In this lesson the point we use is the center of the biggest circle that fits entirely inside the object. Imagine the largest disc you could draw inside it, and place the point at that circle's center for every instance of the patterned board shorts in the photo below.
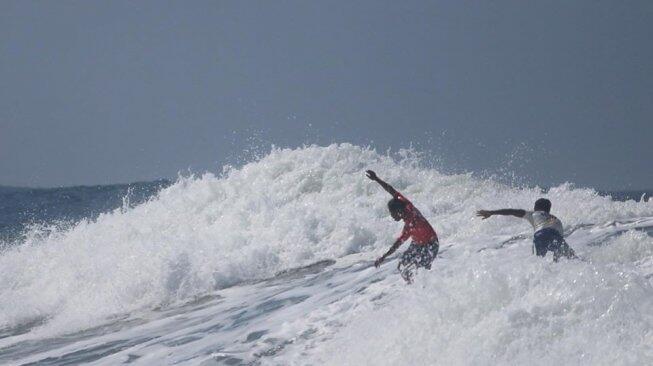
(417, 256)
(548, 239)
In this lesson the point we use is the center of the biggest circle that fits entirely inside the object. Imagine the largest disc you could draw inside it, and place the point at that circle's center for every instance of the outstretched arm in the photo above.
(505, 212)
(372, 175)
(392, 249)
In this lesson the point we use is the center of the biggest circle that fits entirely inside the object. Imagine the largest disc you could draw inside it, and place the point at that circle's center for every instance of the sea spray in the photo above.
(290, 208)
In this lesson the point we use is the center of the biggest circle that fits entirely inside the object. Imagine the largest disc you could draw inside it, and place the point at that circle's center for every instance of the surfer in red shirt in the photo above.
(424, 248)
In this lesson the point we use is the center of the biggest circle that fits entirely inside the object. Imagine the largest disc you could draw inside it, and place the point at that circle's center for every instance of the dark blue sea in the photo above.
(21, 207)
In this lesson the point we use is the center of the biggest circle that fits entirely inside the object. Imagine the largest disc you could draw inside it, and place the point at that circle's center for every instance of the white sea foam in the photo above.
(508, 308)
(480, 305)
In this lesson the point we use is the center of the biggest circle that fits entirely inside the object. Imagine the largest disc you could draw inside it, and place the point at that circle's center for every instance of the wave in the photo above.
(291, 208)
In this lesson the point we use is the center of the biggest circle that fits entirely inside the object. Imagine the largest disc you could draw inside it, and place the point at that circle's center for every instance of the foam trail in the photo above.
(507, 307)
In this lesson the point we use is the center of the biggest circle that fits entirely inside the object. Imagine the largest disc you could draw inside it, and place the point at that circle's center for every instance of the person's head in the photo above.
(542, 205)
(396, 208)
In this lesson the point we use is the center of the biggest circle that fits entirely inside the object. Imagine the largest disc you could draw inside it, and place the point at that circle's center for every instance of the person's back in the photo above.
(548, 230)
(543, 220)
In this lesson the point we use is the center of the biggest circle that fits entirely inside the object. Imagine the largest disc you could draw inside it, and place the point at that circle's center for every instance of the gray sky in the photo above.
(117, 91)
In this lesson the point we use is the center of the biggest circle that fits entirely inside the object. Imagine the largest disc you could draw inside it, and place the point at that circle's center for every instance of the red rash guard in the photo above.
(416, 225)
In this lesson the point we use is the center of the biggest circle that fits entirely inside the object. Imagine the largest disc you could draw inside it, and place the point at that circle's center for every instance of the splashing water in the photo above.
(223, 238)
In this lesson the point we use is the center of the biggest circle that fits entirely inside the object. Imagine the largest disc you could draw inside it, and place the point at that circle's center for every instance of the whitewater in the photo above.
(270, 263)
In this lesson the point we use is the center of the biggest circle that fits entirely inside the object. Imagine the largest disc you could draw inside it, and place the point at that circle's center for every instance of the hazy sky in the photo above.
(117, 91)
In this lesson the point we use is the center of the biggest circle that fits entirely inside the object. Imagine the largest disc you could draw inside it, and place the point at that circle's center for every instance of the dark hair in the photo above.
(396, 205)
(543, 205)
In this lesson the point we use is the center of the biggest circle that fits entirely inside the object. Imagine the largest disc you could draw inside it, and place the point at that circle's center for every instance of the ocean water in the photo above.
(271, 264)
(22, 209)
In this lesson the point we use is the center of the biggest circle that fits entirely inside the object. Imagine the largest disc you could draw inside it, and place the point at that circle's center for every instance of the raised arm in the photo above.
(504, 212)
(372, 175)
